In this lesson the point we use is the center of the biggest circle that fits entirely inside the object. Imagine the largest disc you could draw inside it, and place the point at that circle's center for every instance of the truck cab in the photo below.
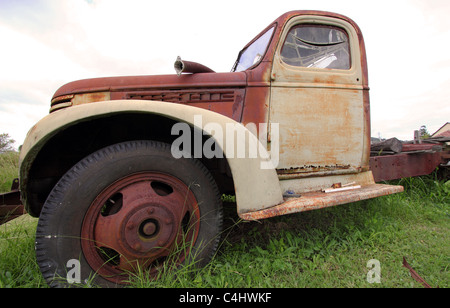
(125, 169)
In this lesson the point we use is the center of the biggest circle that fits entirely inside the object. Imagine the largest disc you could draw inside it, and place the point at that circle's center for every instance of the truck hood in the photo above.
(154, 82)
(219, 92)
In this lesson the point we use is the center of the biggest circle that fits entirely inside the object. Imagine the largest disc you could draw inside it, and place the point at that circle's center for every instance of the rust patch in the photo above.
(319, 127)
(212, 96)
(256, 106)
(391, 167)
(85, 98)
(228, 102)
(318, 200)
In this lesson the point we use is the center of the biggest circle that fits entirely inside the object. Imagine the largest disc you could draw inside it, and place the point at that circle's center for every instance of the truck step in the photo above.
(319, 199)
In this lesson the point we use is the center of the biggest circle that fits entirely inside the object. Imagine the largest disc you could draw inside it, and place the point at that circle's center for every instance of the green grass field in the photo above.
(325, 248)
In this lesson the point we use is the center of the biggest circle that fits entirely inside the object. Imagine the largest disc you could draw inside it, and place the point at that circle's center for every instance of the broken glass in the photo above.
(317, 46)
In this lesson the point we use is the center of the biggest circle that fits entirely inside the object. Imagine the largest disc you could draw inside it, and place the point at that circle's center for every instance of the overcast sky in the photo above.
(47, 43)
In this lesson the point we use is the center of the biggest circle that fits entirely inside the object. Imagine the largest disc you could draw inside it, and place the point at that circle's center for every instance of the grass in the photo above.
(9, 166)
(331, 247)
(18, 268)
(325, 248)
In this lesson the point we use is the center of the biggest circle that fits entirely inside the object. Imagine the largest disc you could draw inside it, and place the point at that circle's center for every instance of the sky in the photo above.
(47, 43)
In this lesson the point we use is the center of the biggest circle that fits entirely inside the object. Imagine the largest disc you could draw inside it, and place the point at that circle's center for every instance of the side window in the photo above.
(253, 53)
(317, 46)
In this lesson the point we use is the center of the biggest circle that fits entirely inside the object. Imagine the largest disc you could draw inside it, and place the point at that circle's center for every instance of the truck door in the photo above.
(317, 97)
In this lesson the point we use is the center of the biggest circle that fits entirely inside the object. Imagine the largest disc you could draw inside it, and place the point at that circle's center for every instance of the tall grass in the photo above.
(324, 248)
(9, 166)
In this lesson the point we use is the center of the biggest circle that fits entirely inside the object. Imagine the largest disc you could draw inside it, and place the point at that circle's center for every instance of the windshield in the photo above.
(253, 53)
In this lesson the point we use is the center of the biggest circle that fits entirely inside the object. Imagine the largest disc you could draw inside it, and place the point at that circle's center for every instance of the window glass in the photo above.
(317, 46)
(253, 53)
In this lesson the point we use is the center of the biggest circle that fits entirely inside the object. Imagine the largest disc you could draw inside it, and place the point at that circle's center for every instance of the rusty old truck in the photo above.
(127, 173)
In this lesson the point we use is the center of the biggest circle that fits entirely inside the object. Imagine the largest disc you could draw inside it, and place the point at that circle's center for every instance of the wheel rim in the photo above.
(140, 222)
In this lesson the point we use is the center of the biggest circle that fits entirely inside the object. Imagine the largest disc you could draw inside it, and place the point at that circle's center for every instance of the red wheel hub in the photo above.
(138, 222)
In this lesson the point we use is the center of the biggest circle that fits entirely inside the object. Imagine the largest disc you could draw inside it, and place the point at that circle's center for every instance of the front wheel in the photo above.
(129, 207)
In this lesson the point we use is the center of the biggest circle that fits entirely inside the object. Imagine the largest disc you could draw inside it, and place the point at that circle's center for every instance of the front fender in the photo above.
(256, 185)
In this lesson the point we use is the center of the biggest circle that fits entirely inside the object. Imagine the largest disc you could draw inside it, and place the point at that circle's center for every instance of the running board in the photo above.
(319, 199)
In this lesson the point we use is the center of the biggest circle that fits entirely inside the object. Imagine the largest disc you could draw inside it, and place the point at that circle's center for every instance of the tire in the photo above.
(127, 208)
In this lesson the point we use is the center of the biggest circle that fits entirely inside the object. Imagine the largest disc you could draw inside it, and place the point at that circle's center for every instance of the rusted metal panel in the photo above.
(10, 198)
(318, 127)
(227, 101)
(10, 212)
(85, 98)
(10, 206)
(222, 93)
(78, 99)
(365, 161)
(256, 105)
(322, 112)
(307, 184)
(121, 85)
(404, 165)
(420, 147)
(411, 160)
(318, 200)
